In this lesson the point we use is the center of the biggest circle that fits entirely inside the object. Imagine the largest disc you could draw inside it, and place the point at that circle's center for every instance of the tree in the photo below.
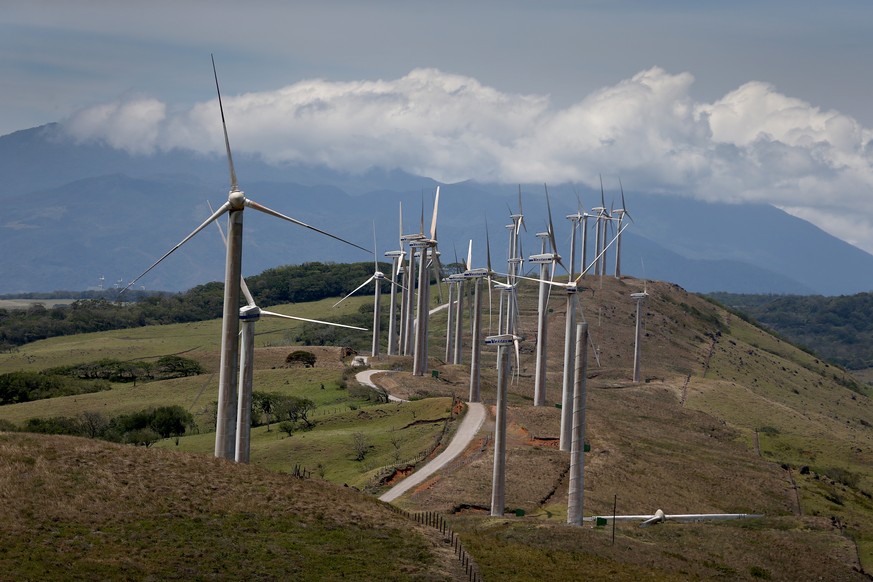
(360, 445)
(265, 402)
(170, 421)
(287, 427)
(301, 357)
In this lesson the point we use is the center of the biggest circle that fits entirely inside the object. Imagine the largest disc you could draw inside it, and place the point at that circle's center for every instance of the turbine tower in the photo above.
(426, 246)
(639, 298)
(544, 259)
(498, 479)
(225, 428)
(576, 495)
(476, 340)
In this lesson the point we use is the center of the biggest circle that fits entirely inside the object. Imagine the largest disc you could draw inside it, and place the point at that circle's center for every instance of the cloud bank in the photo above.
(753, 144)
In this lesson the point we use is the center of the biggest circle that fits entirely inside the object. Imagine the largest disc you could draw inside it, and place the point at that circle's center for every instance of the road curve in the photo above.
(463, 437)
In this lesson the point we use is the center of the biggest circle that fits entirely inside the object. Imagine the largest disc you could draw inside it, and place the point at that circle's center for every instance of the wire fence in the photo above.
(438, 522)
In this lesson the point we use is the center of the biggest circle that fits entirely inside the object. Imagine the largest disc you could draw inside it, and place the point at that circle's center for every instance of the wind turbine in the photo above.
(377, 277)
(621, 212)
(544, 260)
(248, 316)
(426, 246)
(498, 479)
(571, 287)
(225, 426)
(639, 298)
(476, 340)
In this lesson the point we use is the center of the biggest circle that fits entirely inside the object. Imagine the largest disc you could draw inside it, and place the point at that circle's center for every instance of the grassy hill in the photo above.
(728, 419)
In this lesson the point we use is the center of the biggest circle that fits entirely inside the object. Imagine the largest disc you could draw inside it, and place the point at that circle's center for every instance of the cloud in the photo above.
(753, 144)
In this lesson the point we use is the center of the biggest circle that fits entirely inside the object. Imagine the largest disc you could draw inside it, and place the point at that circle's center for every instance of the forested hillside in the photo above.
(839, 329)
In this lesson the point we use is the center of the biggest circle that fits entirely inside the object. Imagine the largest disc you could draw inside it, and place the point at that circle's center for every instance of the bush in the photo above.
(301, 357)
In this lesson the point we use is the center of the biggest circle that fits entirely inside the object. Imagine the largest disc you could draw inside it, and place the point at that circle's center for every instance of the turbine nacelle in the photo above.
(543, 258)
(236, 199)
(477, 273)
(249, 313)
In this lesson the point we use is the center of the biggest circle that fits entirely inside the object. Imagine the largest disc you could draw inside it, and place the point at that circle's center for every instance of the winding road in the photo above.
(463, 437)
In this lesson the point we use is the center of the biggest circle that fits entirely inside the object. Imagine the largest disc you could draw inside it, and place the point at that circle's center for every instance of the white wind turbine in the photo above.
(377, 277)
(621, 212)
(248, 316)
(544, 260)
(639, 298)
(571, 287)
(426, 246)
(476, 336)
(225, 427)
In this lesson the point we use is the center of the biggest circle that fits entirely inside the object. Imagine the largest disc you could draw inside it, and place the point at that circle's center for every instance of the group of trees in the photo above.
(27, 386)
(139, 428)
(291, 412)
(165, 368)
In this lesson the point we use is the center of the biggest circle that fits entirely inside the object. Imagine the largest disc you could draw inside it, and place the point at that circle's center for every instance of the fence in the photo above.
(436, 521)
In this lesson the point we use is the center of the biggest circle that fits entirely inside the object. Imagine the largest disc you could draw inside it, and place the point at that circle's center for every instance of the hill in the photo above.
(728, 419)
(77, 509)
(837, 328)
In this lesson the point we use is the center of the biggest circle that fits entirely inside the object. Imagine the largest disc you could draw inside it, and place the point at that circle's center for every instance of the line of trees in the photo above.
(288, 284)
(142, 428)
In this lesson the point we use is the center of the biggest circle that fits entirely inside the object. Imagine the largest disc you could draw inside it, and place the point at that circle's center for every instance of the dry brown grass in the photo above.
(682, 441)
(80, 509)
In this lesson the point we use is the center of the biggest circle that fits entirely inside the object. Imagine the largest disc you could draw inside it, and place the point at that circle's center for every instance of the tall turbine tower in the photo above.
(426, 246)
(576, 495)
(639, 298)
(476, 337)
(498, 479)
(393, 336)
(225, 429)
(545, 260)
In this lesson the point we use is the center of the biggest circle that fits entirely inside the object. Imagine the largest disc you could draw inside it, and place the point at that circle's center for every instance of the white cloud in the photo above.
(752, 144)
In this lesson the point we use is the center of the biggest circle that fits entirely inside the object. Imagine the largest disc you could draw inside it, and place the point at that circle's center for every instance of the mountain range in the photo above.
(80, 215)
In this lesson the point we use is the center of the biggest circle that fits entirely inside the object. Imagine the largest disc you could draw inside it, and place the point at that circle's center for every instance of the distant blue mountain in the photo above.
(76, 212)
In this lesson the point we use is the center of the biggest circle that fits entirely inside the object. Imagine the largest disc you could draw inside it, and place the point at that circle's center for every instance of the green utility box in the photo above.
(600, 521)
(435, 374)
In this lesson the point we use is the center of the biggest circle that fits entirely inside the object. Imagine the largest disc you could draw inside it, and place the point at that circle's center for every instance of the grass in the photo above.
(76, 509)
(715, 390)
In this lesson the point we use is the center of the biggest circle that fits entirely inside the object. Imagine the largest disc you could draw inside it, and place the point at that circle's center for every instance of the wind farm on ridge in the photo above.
(654, 355)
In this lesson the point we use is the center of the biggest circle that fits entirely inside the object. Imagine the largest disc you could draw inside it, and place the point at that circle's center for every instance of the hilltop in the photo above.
(727, 419)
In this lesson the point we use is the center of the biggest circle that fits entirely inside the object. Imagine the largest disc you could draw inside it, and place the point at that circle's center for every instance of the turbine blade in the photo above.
(215, 215)
(433, 220)
(623, 205)
(400, 237)
(255, 206)
(358, 288)
(469, 264)
(552, 240)
(375, 256)
(233, 184)
(274, 314)
(602, 200)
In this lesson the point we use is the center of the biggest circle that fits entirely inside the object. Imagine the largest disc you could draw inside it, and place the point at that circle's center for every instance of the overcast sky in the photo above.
(742, 100)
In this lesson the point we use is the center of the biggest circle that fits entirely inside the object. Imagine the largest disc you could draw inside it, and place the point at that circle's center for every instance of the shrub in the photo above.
(301, 357)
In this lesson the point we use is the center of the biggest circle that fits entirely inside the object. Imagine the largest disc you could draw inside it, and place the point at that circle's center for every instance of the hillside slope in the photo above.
(77, 509)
